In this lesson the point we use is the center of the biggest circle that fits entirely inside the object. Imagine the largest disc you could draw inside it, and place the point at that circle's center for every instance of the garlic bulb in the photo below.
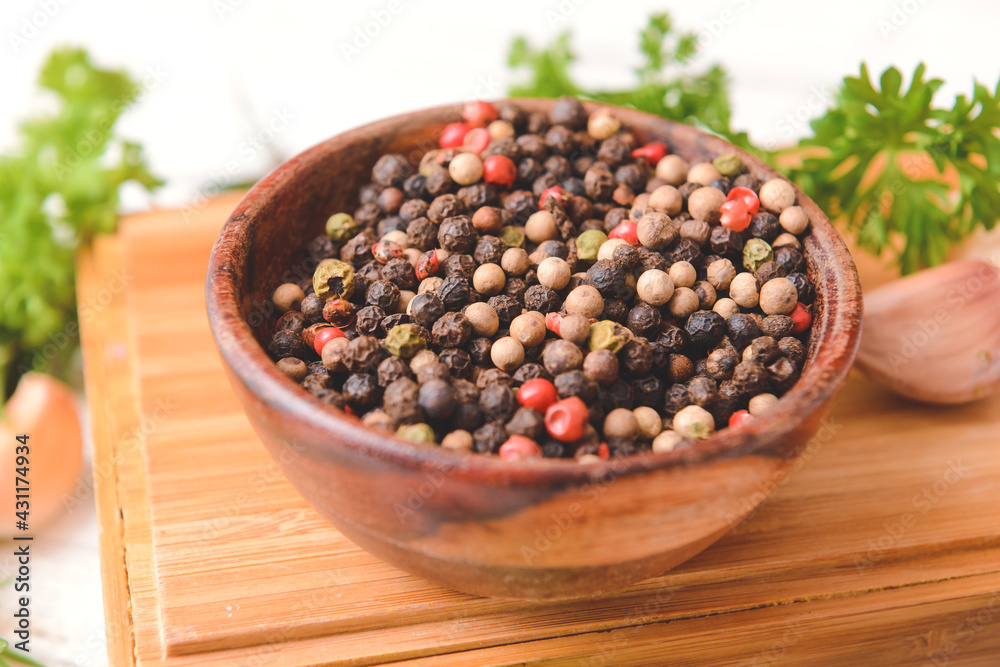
(935, 336)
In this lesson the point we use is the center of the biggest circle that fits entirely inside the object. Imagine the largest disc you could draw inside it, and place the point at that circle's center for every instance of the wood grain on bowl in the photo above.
(660, 510)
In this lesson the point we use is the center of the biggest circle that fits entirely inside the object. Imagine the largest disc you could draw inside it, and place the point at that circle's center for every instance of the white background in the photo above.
(226, 67)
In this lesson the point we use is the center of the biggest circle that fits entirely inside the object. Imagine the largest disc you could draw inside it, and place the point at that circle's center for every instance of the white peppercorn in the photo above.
(721, 273)
(683, 302)
(541, 226)
(705, 203)
(650, 422)
(694, 422)
(507, 354)
(703, 173)
(666, 199)
(778, 296)
(760, 403)
(683, 274)
(621, 423)
(655, 230)
(405, 297)
(786, 240)
(489, 279)
(776, 195)
(672, 169)
(655, 287)
(743, 290)
(554, 272)
(528, 329)
(574, 328)
(483, 318)
(726, 308)
(294, 368)
(602, 124)
(515, 261)
(696, 230)
(465, 168)
(584, 300)
(607, 249)
(459, 441)
(288, 296)
(666, 441)
(794, 220)
(429, 285)
(501, 129)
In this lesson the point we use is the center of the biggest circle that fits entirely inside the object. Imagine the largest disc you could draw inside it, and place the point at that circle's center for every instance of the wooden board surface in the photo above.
(878, 550)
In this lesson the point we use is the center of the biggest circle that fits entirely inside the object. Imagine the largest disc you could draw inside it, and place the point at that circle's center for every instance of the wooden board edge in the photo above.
(93, 270)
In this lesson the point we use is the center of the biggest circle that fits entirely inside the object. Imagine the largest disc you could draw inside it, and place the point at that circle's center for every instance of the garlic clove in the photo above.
(935, 336)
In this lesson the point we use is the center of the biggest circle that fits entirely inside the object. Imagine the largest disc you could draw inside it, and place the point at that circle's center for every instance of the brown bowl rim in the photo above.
(832, 345)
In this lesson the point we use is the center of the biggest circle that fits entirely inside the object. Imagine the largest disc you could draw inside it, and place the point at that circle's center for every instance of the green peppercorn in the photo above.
(405, 340)
(607, 335)
(340, 227)
(416, 433)
(512, 236)
(755, 253)
(588, 243)
(729, 165)
(334, 280)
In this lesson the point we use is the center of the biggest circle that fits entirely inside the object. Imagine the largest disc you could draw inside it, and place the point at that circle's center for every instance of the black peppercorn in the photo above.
(367, 215)
(445, 206)
(528, 170)
(644, 319)
(793, 349)
(363, 354)
(413, 209)
(516, 288)
(614, 152)
(316, 382)
(520, 204)
(702, 390)
(599, 182)
(608, 278)
(791, 259)
(686, 250)
(454, 293)
(391, 224)
(293, 321)
(723, 184)
(764, 349)
(494, 376)
(677, 398)
(568, 111)
(426, 308)
(458, 362)
(433, 370)
(357, 251)
(530, 371)
(680, 368)
(400, 401)
(413, 186)
(487, 438)
(764, 225)
(631, 175)
(526, 422)
(560, 139)
(687, 189)
(782, 374)
(361, 391)
(625, 256)
(312, 308)
(802, 285)
(543, 183)
(673, 339)
(636, 357)
(747, 181)
(705, 328)
(575, 383)
(721, 361)
(367, 320)
(383, 294)
(438, 183)
(451, 330)
(647, 391)
(768, 271)
(476, 195)
(400, 272)
(391, 369)
(581, 206)
(726, 243)
(618, 394)
(391, 170)
(457, 235)
(497, 401)
(437, 400)
(421, 234)
(393, 320)
(777, 326)
(742, 329)
(322, 247)
(615, 310)
(750, 378)
(479, 351)
(506, 308)
(489, 250)
(287, 343)
(459, 266)
(541, 298)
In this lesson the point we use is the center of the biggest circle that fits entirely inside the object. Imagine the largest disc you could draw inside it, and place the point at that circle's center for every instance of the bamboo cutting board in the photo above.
(883, 548)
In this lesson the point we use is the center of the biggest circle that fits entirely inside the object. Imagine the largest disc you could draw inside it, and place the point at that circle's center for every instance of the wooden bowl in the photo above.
(540, 529)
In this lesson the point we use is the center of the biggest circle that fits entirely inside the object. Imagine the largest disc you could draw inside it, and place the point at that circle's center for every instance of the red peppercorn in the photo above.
(499, 169)
(338, 312)
(552, 322)
(518, 448)
(383, 251)
(627, 230)
(739, 418)
(476, 140)
(324, 336)
(603, 452)
(538, 394)
(556, 192)
(453, 135)
(428, 264)
(735, 215)
(652, 152)
(802, 318)
(566, 420)
(479, 113)
(748, 196)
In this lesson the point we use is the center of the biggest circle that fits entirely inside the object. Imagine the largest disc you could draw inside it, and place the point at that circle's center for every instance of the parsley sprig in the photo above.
(905, 177)
(57, 191)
